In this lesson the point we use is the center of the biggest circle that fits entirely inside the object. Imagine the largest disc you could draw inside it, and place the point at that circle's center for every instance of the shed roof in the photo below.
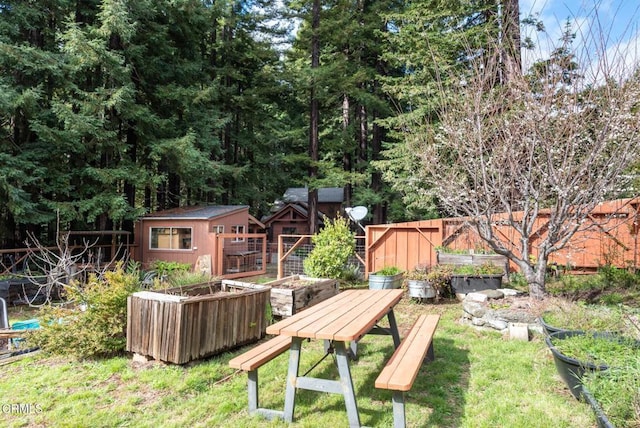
(300, 207)
(196, 212)
(325, 194)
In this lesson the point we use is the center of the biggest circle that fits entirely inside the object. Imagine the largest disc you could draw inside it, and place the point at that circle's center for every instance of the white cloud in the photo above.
(607, 37)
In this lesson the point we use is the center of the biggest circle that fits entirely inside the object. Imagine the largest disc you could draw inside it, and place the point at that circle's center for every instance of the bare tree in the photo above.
(504, 154)
(59, 264)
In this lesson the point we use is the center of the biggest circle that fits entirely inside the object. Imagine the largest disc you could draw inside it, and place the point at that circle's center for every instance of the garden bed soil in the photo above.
(292, 294)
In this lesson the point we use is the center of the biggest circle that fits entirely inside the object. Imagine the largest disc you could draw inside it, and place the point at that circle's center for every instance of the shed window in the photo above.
(238, 229)
(217, 228)
(170, 238)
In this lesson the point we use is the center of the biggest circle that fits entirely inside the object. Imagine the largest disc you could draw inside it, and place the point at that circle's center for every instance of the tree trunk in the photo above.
(313, 131)
(535, 276)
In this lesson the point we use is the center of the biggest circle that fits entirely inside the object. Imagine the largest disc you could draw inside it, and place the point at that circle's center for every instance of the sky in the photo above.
(607, 32)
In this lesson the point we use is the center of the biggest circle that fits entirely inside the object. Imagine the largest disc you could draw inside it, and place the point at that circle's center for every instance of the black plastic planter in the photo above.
(465, 284)
(549, 329)
(570, 369)
(601, 418)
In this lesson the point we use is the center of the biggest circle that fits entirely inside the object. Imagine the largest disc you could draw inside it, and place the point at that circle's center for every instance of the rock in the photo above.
(511, 315)
(518, 331)
(475, 309)
(477, 297)
(509, 291)
(492, 294)
(497, 324)
(479, 322)
(139, 358)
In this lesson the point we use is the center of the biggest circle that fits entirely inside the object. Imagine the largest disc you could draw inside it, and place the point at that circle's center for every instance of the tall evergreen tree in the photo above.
(433, 44)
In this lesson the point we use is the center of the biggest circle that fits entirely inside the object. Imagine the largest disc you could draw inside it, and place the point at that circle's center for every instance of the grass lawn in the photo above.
(478, 379)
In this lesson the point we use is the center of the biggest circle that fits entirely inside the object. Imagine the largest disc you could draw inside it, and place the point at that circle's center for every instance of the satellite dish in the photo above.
(356, 214)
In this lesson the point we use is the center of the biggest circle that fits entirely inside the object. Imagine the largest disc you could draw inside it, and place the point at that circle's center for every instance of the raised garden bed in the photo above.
(182, 324)
(294, 293)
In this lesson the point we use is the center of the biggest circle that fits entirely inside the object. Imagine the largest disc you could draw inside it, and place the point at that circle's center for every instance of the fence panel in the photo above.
(294, 249)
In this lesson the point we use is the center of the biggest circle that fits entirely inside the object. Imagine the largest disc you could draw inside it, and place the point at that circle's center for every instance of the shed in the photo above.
(212, 238)
(330, 199)
(290, 215)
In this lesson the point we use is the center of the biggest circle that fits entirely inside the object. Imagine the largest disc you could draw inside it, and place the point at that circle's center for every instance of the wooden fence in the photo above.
(609, 236)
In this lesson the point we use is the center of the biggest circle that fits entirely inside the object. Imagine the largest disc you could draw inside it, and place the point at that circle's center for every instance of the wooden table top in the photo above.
(346, 316)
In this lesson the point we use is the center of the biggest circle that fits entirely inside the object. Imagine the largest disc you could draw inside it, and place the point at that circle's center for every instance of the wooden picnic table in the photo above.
(344, 318)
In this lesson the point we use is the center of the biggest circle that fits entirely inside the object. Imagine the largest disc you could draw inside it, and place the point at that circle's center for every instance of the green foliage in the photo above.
(388, 271)
(612, 276)
(440, 279)
(483, 269)
(597, 349)
(351, 273)
(165, 268)
(518, 281)
(333, 246)
(418, 274)
(579, 316)
(96, 325)
(617, 392)
(180, 278)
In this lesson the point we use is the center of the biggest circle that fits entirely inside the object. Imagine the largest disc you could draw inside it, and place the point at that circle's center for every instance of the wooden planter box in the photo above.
(187, 323)
(473, 259)
(294, 293)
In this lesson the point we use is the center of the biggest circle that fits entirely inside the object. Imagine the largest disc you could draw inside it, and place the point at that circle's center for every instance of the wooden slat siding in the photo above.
(261, 354)
(378, 311)
(338, 307)
(402, 369)
(195, 327)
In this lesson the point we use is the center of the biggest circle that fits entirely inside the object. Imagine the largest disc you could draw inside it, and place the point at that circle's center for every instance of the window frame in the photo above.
(172, 232)
(238, 229)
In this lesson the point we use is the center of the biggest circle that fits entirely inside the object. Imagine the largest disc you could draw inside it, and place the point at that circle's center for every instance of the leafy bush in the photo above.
(333, 246)
(388, 271)
(612, 276)
(180, 278)
(483, 269)
(440, 278)
(164, 268)
(96, 325)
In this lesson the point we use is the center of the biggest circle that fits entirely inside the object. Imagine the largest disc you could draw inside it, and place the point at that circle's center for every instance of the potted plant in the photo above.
(577, 352)
(386, 278)
(440, 279)
(418, 284)
(469, 278)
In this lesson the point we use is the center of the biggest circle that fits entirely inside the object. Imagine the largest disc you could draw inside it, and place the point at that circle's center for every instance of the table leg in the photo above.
(393, 326)
(292, 378)
(342, 359)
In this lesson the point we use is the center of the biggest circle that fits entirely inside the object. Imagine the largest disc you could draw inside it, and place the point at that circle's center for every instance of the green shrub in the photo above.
(612, 276)
(165, 268)
(96, 325)
(487, 268)
(333, 246)
(440, 278)
(388, 271)
(181, 278)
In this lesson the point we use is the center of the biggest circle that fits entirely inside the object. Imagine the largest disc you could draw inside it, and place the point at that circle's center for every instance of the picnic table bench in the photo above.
(251, 361)
(401, 370)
